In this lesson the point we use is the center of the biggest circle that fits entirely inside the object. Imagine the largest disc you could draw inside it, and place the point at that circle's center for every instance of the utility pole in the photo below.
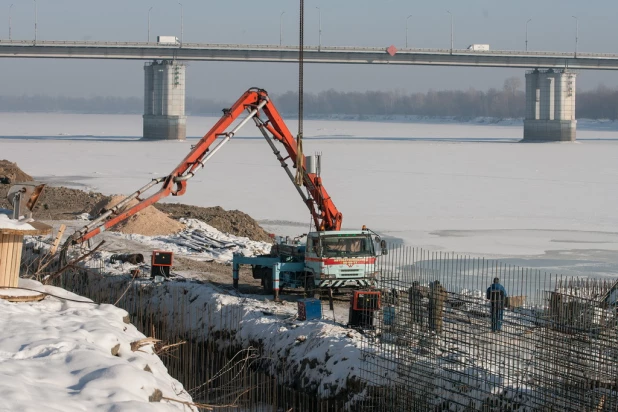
(451, 30)
(10, 7)
(149, 24)
(181, 22)
(576, 33)
(319, 29)
(529, 20)
(281, 28)
(35, 21)
(407, 30)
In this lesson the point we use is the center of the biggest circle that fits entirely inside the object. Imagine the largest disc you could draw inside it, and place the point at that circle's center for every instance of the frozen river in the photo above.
(466, 188)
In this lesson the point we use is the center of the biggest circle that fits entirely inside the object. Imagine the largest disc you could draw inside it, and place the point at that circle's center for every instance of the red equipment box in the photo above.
(161, 263)
(162, 258)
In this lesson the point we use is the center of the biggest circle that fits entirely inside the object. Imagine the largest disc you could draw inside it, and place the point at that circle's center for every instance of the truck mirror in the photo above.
(383, 247)
(377, 239)
(384, 251)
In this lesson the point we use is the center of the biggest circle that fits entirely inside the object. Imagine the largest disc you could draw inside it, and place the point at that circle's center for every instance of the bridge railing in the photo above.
(293, 48)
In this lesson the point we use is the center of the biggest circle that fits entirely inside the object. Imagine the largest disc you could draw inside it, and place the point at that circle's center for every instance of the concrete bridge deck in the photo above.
(313, 54)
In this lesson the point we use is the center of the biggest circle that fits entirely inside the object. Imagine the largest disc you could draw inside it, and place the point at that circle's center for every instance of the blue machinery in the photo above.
(290, 274)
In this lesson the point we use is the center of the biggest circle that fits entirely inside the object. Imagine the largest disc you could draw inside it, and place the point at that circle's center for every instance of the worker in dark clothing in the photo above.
(437, 296)
(496, 294)
(415, 297)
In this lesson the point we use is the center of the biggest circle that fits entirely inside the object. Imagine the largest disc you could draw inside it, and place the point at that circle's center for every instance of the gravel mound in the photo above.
(229, 221)
(148, 222)
(10, 173)
(61, 203)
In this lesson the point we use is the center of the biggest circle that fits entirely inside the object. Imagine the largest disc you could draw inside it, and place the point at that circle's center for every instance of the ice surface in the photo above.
(467, 188)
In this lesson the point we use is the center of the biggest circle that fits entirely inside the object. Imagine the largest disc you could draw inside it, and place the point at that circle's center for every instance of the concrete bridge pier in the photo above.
(550, 106)
(164, 101)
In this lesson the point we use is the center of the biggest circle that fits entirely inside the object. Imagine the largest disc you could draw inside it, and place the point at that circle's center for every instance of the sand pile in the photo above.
(10, 173)
(148, 222)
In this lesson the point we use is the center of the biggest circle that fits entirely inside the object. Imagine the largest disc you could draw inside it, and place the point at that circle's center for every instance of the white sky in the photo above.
(344, 22)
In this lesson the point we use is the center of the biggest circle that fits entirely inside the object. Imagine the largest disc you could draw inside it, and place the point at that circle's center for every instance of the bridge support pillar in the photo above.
(550, 106)
(164, 101)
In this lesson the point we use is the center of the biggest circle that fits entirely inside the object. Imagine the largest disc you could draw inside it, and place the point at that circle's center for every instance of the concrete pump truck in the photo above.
(330, 258)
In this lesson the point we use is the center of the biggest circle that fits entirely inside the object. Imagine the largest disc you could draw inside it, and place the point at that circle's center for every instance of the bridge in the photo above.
(550, 86)
(313, 54)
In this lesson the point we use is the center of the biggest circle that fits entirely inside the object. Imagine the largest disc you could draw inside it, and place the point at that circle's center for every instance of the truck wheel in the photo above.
(311, 291)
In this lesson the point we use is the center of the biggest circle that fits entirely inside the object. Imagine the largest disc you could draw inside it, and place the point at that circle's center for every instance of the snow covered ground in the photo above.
(469, 188)
(62, 355)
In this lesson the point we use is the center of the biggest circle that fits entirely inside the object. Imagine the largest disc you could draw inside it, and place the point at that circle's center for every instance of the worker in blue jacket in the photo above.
(496, 294)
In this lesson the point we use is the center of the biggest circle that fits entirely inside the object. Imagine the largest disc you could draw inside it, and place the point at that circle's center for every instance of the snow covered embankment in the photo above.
(317, 357)
(201, 241)
(58, 355)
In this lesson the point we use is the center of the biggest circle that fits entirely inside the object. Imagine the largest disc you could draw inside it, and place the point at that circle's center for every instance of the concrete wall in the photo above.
(164, 101)
(550, 106)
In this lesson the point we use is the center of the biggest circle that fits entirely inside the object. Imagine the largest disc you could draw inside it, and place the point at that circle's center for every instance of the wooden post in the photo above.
(11, 244)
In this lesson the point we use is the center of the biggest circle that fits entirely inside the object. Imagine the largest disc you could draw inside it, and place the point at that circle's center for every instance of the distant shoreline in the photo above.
(584, 124)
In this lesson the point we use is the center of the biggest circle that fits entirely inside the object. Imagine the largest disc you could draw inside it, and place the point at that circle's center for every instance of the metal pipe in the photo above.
(286, 167)
(133, 258)
(227, 138)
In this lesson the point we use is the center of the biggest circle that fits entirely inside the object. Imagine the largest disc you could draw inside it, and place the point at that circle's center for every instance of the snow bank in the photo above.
(8, 223)
(56, 355)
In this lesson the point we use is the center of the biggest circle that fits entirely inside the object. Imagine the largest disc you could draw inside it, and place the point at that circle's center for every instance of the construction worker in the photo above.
(496, 294)
(437, 296)
(415, 297)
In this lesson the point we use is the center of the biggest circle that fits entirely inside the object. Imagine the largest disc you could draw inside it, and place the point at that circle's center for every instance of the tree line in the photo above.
(508, 102)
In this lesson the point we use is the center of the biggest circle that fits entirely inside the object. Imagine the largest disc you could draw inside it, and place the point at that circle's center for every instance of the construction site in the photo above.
(209, 309)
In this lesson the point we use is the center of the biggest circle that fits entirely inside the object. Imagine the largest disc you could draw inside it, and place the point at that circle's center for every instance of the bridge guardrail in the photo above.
(322, 49)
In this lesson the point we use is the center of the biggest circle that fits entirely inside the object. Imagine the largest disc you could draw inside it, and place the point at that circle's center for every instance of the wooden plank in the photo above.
(5, 265)
(30, 298)
(57, 239)
(18, 247)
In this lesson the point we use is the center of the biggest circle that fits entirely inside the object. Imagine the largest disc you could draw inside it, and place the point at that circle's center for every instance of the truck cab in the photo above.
(339, 259)
(328, 260)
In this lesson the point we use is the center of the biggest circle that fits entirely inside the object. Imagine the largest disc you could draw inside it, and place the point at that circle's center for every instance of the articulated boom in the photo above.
(325, 214)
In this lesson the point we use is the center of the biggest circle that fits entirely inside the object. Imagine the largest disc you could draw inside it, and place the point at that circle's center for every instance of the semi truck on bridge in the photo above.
(478, 47)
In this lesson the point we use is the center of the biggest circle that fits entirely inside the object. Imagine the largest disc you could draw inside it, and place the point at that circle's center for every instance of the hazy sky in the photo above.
(344, 23)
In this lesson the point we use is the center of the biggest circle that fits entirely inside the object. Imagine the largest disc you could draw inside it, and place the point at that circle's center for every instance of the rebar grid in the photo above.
(556, 349)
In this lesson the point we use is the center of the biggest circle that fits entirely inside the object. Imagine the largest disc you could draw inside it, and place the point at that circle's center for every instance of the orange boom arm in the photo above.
(255, 102)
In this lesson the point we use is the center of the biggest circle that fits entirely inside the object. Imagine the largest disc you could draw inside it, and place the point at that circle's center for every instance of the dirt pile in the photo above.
(11, 173)
(61, 203)
(148, 222)
(55, 203)
(230, 221)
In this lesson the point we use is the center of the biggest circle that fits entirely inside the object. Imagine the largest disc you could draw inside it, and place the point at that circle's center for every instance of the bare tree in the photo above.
(512, 85)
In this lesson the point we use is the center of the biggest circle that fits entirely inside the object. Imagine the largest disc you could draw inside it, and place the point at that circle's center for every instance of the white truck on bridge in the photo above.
(478, 47)
(167, 40)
